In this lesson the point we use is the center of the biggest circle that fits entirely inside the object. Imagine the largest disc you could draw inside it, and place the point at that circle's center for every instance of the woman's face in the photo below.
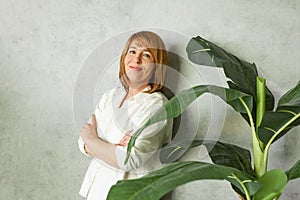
(139, 65)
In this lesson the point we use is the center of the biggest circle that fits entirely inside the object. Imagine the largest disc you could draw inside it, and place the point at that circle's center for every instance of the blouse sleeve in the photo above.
(150, 140)
(97, 112)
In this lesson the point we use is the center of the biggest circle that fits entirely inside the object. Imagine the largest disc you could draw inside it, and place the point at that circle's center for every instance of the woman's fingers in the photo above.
(124, 141)
(93, 120)
(88, 132)
(86, 125)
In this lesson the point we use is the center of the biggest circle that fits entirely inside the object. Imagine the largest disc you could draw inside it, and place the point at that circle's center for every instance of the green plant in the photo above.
(248, 95)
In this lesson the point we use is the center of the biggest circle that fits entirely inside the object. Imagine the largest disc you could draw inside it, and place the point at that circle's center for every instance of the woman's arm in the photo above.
(96, 147)
(146, 145)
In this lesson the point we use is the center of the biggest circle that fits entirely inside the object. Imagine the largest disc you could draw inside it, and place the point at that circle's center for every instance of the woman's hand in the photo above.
(124, 141)
(89, 131)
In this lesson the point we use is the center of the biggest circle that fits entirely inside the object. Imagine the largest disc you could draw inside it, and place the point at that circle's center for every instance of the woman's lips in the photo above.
(136, 68)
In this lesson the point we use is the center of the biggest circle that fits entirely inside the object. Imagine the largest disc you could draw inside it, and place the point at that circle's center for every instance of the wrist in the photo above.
(84, 148)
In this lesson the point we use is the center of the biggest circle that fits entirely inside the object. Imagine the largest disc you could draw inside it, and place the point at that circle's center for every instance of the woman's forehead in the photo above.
(138, 43)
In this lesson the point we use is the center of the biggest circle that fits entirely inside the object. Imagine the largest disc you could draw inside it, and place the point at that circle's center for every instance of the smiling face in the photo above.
(139, 65)
(143, 62)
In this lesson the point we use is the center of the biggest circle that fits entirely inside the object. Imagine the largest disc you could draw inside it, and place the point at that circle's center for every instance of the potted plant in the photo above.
(247, 94)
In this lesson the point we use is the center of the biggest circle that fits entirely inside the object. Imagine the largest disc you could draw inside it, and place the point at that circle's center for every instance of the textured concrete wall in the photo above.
(42, 46)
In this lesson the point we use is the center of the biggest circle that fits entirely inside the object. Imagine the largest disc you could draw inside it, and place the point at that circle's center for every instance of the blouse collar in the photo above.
(139, 96)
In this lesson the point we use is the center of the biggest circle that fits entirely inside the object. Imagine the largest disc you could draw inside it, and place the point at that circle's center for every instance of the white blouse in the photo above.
(112, 124)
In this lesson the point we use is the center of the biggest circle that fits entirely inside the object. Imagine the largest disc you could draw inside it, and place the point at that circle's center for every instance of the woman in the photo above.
(120, 112)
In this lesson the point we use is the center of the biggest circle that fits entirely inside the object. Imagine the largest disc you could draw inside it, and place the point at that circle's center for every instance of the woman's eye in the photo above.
(146, 55)
(131, 51)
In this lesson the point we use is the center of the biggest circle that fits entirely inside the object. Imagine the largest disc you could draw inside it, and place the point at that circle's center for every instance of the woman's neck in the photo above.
(135, 90)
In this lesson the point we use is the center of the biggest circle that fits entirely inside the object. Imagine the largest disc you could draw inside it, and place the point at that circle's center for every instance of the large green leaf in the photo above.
(286, 116)
(160, 182)
(291, 98)
(219, 152)
(174, 150)
(181, 101)
(231, 156)
(294, 172)
(273, 184)
(242, 74)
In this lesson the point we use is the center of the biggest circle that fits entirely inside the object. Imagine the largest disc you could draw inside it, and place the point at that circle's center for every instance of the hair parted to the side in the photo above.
(157, 48)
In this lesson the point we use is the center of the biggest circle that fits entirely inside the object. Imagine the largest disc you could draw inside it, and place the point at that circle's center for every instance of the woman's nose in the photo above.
(138, 58)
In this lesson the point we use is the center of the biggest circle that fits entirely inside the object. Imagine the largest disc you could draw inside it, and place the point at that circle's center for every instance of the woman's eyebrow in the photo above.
(141, 48)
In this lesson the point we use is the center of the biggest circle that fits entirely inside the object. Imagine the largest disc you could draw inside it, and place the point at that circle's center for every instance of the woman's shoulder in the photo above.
(159, 95)
(155, 97)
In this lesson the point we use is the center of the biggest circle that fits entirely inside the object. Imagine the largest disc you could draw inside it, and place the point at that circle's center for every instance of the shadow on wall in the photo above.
(173, 64)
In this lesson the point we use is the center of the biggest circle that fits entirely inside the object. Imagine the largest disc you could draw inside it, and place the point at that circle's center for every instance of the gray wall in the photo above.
(43, 44)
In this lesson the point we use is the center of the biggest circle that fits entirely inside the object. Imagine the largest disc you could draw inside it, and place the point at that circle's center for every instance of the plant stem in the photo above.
(259, 167)
(261, 99)
(278, 197)
(260, 104)
(262, 162)
(243, 186)
(266, 150)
